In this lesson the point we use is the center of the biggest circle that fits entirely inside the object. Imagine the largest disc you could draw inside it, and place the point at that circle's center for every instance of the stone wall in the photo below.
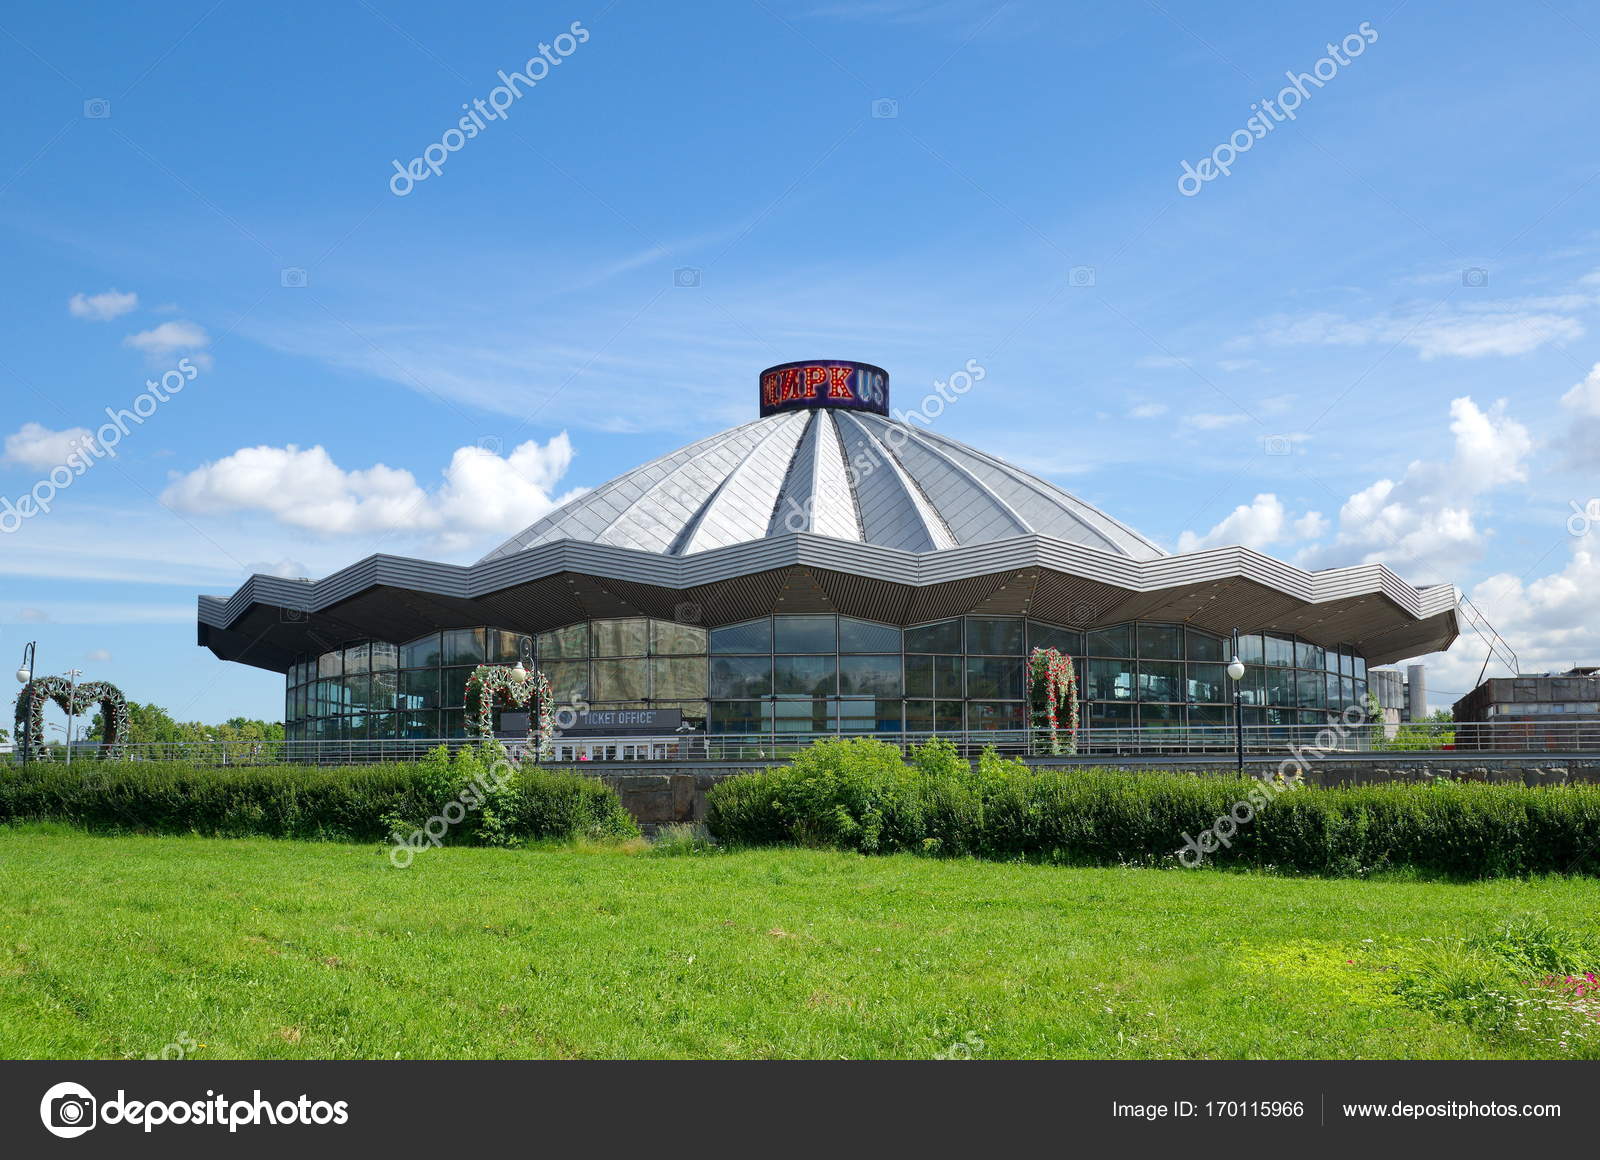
(1532, 770)
(658, 795)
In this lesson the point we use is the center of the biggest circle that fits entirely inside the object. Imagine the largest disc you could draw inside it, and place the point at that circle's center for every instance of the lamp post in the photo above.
(72, 676)
(24, 675)
(1236, 675)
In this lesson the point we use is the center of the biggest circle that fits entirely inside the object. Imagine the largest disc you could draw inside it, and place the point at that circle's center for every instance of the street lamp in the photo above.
(24, 675)
(1236, 675)
(72, 676)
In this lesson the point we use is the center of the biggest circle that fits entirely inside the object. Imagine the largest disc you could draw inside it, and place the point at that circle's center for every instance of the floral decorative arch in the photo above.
(516, 688)
(77, 701)
(1052, 687)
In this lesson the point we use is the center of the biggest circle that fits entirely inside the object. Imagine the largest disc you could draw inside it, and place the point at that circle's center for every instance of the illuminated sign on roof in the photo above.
(832, 382)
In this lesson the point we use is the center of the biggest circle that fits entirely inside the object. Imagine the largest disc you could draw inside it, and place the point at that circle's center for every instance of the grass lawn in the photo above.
(115, 947)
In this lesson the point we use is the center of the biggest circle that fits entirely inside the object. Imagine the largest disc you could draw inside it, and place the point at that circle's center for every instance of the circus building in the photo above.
(828, 567)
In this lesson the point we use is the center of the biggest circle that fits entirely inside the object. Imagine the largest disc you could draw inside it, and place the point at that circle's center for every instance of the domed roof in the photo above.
(850, 474)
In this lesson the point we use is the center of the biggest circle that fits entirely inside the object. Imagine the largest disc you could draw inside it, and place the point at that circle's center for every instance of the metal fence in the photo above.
(1217, 741)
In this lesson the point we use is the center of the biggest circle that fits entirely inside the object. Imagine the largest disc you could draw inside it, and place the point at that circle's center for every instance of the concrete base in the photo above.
(658, 795)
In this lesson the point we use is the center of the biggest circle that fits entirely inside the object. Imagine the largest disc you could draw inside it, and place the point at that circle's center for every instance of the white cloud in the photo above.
(33, 616)
(99, 655)
(1147, 411)
(300, 487)
(1423, 524)
(1262, 522)
(1311, 526)
(1507, 334)
(37, 446)
(1498, 329)
(293, 569)
(162, 342)
(107, 612)
(1582, 405)
(1213, 422)
(102, 307)
(481, 491)
(1552, 622)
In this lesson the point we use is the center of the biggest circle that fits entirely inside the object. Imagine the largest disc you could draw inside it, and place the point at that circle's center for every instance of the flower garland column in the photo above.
(1053, 674)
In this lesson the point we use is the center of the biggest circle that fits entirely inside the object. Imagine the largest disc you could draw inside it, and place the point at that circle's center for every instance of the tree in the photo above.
(147, 725)
(150, 724)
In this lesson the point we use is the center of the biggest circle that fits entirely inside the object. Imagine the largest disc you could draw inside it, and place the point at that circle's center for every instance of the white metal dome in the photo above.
(847, 474)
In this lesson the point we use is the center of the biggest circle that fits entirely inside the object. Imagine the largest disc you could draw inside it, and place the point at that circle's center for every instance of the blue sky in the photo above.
(1399, 288)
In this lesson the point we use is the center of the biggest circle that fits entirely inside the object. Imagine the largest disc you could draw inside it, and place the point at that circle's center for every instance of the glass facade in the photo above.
(825, 674)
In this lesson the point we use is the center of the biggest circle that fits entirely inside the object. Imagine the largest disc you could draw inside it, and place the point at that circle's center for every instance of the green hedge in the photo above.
(355, 803)
(861, 795)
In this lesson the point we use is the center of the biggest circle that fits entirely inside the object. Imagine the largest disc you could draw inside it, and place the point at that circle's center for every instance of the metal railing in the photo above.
(1215, 741)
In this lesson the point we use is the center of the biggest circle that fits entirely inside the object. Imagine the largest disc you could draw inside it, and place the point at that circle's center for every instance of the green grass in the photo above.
(115, 947)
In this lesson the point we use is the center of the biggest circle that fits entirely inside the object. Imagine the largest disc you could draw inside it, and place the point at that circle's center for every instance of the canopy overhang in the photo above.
(272, 621)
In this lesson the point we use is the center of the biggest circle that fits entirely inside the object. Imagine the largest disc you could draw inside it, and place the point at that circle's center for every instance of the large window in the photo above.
(804, 634)
(814, 672)
(809, 676)
(741, 677)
